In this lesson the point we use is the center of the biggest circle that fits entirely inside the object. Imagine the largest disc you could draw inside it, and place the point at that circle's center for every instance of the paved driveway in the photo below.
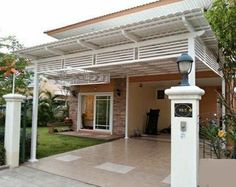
(126, 163)
(29, 177)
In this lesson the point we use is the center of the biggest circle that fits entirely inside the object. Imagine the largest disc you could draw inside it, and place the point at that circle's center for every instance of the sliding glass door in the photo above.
(103, 112)
(96, 111)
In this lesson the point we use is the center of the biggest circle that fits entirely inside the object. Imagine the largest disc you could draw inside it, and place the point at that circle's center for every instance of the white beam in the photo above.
(191, 52)
(127, 109)
(54, 51)
(87, 45)
(31, 57)
(187, 24)
(34, 117)
(190, 28)
(130, 36)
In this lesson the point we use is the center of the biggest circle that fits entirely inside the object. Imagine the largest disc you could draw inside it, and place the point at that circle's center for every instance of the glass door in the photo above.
(102, 114)
(87, 111)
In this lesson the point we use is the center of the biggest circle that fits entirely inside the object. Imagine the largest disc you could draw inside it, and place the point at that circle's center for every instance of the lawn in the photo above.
(51, 144)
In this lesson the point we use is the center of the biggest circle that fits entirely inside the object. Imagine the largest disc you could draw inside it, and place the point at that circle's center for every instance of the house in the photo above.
(118, 65)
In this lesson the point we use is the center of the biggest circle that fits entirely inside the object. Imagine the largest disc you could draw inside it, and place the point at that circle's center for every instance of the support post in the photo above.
(191, 52)
(12, 128)
(34, 117)
(127, 108)
(184, 135)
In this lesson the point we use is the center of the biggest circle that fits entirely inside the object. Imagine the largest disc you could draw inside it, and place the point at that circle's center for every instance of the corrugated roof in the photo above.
(112, 15)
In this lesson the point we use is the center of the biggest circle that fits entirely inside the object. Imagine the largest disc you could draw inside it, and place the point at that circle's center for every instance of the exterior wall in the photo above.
(208, 104)
(119, 110)
(141, 100)
(73, 103)
(118, 102)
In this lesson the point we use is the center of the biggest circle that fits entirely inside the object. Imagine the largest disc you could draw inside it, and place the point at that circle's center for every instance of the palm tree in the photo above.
(51, 109)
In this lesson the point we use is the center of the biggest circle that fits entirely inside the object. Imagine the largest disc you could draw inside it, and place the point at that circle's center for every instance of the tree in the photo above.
(222, 17)
(9, 61)
(51, 108)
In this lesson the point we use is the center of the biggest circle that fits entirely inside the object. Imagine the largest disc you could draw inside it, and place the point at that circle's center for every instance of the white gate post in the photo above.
(12, 128)
(184, 135)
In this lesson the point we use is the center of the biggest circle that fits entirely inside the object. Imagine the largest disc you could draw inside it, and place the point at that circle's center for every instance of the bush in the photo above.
(2, 119)
(2, 154)
(27, 144)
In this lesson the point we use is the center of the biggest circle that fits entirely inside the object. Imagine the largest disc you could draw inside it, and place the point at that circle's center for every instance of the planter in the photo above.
(217, 173)
(4, 167)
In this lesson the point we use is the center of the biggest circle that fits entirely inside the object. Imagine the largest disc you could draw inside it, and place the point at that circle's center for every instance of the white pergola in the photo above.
(148, 47)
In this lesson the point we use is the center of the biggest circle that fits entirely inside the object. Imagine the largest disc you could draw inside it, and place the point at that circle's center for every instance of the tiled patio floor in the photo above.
(91, 134)
(126, 163)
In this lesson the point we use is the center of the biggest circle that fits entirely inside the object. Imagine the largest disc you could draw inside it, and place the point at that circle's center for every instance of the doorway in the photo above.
(95, 111)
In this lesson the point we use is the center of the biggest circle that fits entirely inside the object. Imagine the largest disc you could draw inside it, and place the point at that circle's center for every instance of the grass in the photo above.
(51, 144)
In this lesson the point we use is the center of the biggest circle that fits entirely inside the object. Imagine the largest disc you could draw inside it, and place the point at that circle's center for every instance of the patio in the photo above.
(132, 162)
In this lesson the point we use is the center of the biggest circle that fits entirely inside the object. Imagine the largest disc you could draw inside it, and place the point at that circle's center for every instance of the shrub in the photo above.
(2, 154)
(27, 144)
(2, 119)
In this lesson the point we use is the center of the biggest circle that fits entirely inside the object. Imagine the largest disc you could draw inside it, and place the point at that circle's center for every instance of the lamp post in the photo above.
(184, 127)
(184, 63)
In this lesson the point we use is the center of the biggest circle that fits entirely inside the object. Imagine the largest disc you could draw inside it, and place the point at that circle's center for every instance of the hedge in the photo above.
(27, 147)
(2, 154)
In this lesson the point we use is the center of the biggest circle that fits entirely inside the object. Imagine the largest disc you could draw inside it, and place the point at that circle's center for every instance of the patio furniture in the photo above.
(152, 122)
(52, 126)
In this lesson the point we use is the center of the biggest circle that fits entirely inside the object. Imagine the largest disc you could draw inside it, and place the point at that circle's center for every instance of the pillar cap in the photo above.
(185, 92)
(14, 97)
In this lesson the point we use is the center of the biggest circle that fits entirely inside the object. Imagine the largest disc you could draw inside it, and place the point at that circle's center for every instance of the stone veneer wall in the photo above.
(118, 102)
(119, 107)
(73, 106)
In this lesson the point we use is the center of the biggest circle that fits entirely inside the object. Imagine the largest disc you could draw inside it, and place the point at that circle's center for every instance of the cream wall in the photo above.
(141, 100)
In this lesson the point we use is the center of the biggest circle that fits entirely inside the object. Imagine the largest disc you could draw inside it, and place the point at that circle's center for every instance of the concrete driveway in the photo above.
(29, 177)
(131, 163)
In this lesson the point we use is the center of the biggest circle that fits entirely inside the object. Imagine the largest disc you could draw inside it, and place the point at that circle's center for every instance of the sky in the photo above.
(28, 19)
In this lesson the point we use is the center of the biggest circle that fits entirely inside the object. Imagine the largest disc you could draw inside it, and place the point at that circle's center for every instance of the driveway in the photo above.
(126, 163)
(29, 177)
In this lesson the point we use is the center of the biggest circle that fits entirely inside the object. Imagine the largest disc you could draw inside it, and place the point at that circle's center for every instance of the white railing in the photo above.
(115, 56)
(79, 61)
(49, 65)
(205, 55)
(163, 49)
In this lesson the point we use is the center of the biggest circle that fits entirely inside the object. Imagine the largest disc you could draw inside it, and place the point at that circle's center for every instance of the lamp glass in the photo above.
(185, 67)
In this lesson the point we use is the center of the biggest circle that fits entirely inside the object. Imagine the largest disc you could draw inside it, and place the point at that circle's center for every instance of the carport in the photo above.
(142, 50)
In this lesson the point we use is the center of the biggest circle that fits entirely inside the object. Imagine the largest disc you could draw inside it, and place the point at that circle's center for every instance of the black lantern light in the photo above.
(185, 66)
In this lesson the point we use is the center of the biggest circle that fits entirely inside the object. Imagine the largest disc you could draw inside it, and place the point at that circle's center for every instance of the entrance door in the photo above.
(96, 111)
(102, 112)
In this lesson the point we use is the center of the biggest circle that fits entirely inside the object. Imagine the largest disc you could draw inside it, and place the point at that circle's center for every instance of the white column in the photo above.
(191, 52)
(223, 106)
(184, 135)
(12, 128)
(127, 109)
(34, 117)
